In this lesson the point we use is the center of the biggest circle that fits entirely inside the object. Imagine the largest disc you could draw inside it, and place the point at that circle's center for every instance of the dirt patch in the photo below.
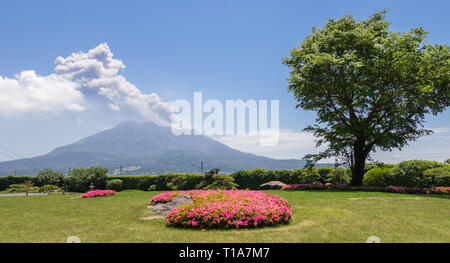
(413, 198)
(145, 218)
(371, 198)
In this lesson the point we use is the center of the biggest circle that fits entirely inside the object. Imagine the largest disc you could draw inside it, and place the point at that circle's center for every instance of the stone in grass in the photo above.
(164, 209)
(272, 185)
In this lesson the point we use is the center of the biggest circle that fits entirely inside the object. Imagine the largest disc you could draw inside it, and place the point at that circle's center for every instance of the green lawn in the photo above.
(319, 216)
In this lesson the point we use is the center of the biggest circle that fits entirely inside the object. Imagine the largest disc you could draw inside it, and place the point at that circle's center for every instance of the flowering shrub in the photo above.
(98, 193)
(390, 189)
(438, 190)
(395, 189)
(227, 209)
(405, 190)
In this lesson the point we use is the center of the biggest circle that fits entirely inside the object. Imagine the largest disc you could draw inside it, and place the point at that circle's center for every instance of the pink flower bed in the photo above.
(438, 190)
(98, 193)
(389, 189)
(227, 209)
(404, 190)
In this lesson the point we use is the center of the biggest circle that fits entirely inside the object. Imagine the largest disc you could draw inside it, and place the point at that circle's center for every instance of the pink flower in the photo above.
(98, 193)
(227, 208)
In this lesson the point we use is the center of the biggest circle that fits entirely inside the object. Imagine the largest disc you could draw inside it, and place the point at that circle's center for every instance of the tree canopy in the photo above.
(370, 87)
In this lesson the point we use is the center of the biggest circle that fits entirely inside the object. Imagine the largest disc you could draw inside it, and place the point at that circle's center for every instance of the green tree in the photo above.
(82, 178)
(26, 187)
(370, 87)
(49, 177)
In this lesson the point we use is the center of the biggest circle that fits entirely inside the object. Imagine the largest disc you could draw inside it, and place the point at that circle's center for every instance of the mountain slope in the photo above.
(145, 148)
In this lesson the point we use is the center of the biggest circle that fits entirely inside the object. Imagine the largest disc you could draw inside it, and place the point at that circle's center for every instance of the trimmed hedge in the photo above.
(376, 176)
(160, 182)
(439, 176)
(114, 184)
(411, 174)
(252, 179)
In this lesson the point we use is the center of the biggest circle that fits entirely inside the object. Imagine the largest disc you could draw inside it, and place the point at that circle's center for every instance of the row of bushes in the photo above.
(411, 174)
(82, 179)
(249, 179)
(159, 182)
(416, 173)
(252, 179)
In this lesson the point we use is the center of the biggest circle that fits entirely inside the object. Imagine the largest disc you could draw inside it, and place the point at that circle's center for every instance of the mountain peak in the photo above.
(155, 149)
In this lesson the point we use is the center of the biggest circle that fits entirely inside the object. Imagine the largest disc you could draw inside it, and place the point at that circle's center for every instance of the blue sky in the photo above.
(226, 49)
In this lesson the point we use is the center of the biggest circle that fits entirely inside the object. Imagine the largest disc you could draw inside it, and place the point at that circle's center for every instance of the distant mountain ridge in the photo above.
(146, 148)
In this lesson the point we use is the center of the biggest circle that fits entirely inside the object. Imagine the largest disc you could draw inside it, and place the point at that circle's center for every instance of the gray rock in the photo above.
(182, 199)
(272, 185)
(164, 209)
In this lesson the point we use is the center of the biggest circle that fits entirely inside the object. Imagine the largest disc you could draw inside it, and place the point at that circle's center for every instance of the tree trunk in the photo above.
(359, 163)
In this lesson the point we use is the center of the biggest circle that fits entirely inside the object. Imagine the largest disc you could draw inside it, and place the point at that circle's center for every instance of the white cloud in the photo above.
(29, 92)
(78, 78)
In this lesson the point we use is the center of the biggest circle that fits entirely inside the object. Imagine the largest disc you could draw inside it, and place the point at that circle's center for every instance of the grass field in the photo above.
(320, 216)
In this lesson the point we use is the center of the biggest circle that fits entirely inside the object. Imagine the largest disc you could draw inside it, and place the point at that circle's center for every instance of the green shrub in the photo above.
(411, 173)
(324, 171)
(160, 182)
(252, 179)
(178, 182)
(339, 176)
(114, 184)
(439, 176)
(49, 177)
(310, 175)
(48, 188)
(152, 187)
(376, 177)
(285, 176)
(222, 182)
(182, 181)
(82, 178)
